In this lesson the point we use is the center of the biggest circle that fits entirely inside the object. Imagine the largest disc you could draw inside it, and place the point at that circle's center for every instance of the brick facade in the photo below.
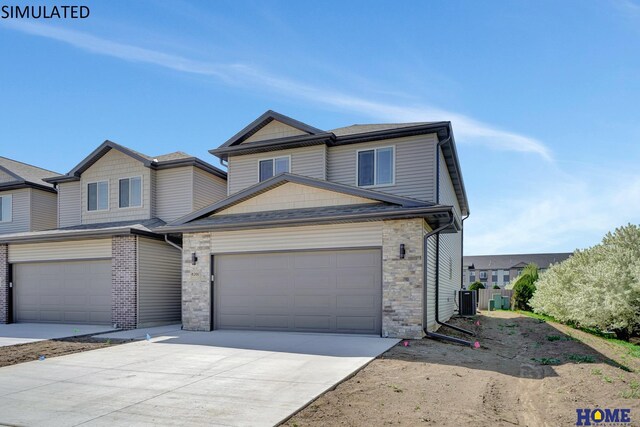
(402, 279)
(196, 284)
(4, 284)
(124, 281)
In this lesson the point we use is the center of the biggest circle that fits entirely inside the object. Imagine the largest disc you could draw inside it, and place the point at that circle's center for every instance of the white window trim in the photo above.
(141, 192)
(10, 197)
(86, 206)
(375, 169)
(273, 159)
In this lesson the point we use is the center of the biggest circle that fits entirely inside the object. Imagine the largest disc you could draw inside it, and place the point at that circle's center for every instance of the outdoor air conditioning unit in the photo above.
(467, 302)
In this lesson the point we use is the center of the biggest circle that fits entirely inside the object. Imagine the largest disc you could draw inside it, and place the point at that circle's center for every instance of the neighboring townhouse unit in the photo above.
(353, 230)
(27, 203)
(104, 264)
(500, 270)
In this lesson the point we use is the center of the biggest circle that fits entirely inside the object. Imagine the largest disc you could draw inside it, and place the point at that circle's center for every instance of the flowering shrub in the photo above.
(598, 287)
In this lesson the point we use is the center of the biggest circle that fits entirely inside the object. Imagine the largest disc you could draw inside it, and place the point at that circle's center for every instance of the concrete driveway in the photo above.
(22, 333)
(237, 378)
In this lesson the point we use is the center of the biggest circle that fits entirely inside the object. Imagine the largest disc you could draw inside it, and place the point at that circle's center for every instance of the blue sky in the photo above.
(543, 95)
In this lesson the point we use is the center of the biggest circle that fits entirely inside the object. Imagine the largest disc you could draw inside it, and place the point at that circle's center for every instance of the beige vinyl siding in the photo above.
(174, 193)
(363, 234)
(44, 210)
(112, 167)
(159, 283)
(53, 251)
(294, 196)
(69, 204)
(273, 130)
(450, 249)
(414, 165)
(207, 189)
(153, 191)
(5, 177)
(447, 192)
(21, 211)
(307, 161)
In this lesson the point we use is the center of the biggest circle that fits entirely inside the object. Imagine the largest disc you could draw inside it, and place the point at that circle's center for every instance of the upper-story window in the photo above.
(483, 275)
(98, 196)
(6, 208)
(375, 167)
(130, 192)
(274, 166)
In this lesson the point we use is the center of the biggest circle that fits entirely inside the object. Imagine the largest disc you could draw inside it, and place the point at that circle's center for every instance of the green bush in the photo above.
(524, 287)
(476, 285)
(598, 287)
(496, 287)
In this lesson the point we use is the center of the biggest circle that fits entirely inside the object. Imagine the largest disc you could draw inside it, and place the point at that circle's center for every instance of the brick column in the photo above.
(196, 284)
(124, 281)
(402, 290)
(4, 284)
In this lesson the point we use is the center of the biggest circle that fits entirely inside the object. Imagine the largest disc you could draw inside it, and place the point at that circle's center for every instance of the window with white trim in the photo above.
(6, 208)
(98, 196)
(272, 167)
(375, 167)
(130, 192)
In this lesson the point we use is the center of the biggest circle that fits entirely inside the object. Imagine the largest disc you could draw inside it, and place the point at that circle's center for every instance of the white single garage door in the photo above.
(336, 291)
(63, 292)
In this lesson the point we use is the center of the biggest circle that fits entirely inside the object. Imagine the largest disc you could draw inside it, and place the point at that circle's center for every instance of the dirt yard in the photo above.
(527, 372)
(11, 355)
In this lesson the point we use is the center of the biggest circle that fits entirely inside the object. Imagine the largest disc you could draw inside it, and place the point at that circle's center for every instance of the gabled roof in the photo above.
(264, 120)
(505, 262)
(24, 175)
(436, 216)
(372, 127)
(284, 178)
(84, 231)
(164, 161)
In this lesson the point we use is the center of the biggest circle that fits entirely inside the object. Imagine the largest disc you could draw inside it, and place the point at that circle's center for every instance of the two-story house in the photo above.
(101, 261)
(27, 203)
(353, 230)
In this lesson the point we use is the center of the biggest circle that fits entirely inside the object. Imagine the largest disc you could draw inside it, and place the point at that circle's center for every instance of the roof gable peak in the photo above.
(292, 127)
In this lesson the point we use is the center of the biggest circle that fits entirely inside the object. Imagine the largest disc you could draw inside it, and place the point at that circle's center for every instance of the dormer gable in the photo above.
(271, 126)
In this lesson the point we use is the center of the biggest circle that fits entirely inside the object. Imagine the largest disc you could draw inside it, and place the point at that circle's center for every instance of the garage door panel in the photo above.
(355, 323)
(272, 321)
(319, 291)
(63, 291)
(315, 323)
(356, 278)
(313, 302)
(354, 302)
(313, 260)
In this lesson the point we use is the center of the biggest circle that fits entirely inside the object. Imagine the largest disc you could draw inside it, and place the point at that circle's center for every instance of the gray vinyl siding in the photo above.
(174, 193)
(307, 161)
(112, 167)
(21, 211)
(450, 249)
(207, 189)
(69, 204)
(430, 291)
(414, 165)
(159, 283)
(44, 210)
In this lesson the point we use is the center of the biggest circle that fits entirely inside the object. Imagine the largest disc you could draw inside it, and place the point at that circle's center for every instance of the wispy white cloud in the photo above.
(563, 211)
(468, 130)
